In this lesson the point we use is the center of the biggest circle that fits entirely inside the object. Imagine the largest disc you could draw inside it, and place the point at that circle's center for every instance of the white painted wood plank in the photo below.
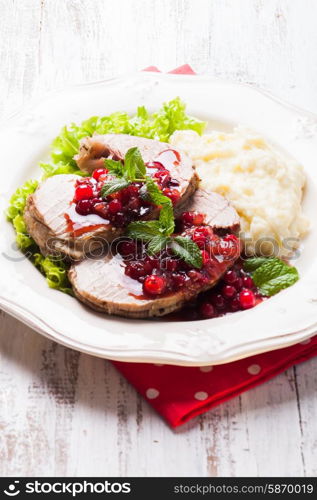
(66, 413)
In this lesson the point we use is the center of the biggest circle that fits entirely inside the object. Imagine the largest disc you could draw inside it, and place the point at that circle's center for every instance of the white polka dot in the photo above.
(201, 395)
(254, 369)
(307, 341)
(152, 393)
(158, 364)
(206, 369)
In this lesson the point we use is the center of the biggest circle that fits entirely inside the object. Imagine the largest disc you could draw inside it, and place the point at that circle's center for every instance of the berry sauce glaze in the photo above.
(165, 274)
(234, 292)
(125, 206)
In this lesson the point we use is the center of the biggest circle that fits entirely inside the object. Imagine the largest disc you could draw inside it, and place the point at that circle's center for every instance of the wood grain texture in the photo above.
(65, 413)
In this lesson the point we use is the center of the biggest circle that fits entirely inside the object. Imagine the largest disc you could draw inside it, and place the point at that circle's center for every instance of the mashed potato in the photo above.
(264, 186)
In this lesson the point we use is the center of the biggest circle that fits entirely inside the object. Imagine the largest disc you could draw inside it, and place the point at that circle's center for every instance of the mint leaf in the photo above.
(134, 165)
(274, 275)
(156, 244)
(153, 193)
(253, 263)
(277, 284)
(186, 249)
(113, 186)
(144, 230)
(166, 219)
(114, 167)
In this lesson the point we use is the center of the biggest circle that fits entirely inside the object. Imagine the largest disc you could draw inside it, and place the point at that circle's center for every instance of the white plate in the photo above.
(287, 318)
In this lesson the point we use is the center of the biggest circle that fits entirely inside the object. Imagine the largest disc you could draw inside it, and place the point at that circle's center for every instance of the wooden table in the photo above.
(65, 413)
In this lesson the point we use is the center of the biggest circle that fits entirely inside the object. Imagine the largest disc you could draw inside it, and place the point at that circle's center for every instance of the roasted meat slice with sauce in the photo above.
(93, 151)
(57, 228)
(105, 285)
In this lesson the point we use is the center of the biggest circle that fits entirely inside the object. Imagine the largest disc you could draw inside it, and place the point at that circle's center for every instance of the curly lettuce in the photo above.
(159, 125)
(53, 269)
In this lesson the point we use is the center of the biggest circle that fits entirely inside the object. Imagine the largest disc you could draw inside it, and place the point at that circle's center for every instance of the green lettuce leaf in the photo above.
(54, 270)
(160, 125)
(18, 199)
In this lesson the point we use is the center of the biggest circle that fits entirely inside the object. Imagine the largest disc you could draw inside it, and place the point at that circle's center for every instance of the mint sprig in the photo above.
(188, 250)
(133, 170)
(114, 186)
(114, 167)
(134, 165)
(271, 275)
(158, 236)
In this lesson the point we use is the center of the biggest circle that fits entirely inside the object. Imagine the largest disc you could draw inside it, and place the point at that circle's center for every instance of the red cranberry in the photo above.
(218, 301)
(83, 180)
(204, 230)
(247, 299)
(97, 173)
(115, 206)
(178, 280)
(101, 209)
(247, 282)
(188, 217)
(172, 194)
(230, 277)
(238, 284)
(154, 285)
(133, 189)
(235, 304)
(228, 291)
(148, 266)
(84, 207)
(135, 270)
(194, 275)
(83, 191)
(198, 219)
(229, 246)
(103, 178)
(134, 203)
(127, 248)
(96, 200)
(232, 238)
(171, 265)
(199, 237)
(120, 220)
(207, 310)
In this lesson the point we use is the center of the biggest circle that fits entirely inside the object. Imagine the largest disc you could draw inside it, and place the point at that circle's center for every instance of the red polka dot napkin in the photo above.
(180, 393)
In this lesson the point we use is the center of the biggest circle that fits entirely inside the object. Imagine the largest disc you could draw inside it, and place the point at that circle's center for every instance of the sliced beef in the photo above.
(93, 151)
(49, 215)
(219, 213)
(103, 285)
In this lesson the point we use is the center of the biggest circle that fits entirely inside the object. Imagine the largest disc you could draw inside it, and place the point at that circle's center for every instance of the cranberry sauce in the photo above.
(235, 291)
(127, 205)
(165, 273)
